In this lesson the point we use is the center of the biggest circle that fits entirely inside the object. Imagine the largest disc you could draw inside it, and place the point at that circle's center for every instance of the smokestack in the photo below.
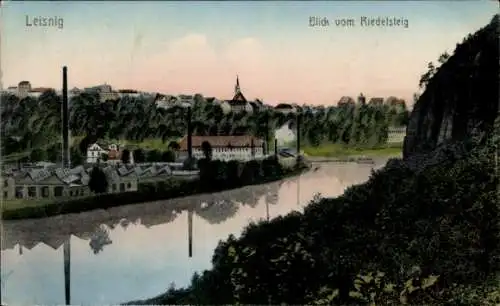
(65, 120)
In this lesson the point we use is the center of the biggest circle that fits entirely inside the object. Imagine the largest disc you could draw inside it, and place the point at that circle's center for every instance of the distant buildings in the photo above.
(226, 147)
(24, 89)
(105, 92)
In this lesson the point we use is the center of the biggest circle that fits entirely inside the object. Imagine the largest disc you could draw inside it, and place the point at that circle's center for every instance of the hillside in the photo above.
(461, 98)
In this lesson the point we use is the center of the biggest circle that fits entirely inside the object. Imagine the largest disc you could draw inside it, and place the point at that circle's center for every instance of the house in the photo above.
(94, 153)
(285, 108)
(105, 92)
(376, 101)
(284, 134)
(37, 92)
(346, 101)
(226, 148)
(239, 103)
(23, 88)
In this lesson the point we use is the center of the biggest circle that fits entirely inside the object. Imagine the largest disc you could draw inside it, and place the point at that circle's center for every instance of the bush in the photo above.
(38, 155)
(139, 156)
(98, 181)
(125, 156)
(168, 157)
(76, 157)
(153, 156)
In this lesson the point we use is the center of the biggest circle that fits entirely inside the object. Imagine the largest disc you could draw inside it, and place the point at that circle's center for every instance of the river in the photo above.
(136, 251)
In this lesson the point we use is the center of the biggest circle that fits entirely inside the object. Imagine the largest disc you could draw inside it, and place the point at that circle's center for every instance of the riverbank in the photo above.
(249, 174)
(343, 152)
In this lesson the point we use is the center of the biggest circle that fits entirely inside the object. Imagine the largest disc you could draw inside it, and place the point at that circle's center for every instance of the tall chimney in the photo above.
(65, 120)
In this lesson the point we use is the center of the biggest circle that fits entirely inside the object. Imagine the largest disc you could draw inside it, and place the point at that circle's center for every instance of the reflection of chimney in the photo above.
(190, 232)
(67, 270)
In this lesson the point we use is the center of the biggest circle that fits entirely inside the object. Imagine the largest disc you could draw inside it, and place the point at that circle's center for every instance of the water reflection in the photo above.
(99, 239)
(133, 252)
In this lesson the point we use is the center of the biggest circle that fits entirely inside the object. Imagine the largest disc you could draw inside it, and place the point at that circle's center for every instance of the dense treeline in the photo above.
(419, 232)
(32, 123)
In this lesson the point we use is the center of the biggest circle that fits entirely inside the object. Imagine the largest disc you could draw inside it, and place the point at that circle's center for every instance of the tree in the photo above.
(104, 157)
(168, 157)
(153, 156)
(173, 145)
(53, 153)
(98, 182)
(125, 156)
(206, 147)
(38, 155)
(76, 157)
(139, 156)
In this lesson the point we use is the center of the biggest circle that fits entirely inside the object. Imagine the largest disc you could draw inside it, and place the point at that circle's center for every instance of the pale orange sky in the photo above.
(188, 47)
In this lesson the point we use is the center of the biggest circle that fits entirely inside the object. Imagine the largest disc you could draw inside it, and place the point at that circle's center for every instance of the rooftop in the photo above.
(222, 141)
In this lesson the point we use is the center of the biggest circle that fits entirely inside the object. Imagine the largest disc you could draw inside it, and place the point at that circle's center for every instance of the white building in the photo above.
(284, 134)
(226, 147)
(12, 90)
(94, 153)
(396, 134)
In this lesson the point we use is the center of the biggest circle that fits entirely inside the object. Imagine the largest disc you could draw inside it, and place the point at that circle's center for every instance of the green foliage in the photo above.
(233, 173)
(38, 155)
(168, 156)
(189, 164)
(153, 156)
(76, 157)
(104, 157)
(206, 147)
(139, 156)
(125, 156)
(54, 153)
(98, 181)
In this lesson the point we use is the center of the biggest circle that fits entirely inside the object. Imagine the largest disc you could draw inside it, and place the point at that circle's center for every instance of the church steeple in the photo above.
(237, 87)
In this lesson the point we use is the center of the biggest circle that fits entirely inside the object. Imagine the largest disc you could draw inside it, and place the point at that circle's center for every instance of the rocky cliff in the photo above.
(461, 98)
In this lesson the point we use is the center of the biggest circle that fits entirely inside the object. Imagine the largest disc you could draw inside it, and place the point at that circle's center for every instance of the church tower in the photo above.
(237, 86)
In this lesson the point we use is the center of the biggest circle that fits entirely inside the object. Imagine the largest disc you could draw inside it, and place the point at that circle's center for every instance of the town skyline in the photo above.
(180, 48)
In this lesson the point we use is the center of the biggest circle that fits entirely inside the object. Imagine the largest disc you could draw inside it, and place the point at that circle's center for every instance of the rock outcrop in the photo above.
(462, 98)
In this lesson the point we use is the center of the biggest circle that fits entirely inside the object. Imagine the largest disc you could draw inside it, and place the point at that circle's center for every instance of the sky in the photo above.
(200, 47)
